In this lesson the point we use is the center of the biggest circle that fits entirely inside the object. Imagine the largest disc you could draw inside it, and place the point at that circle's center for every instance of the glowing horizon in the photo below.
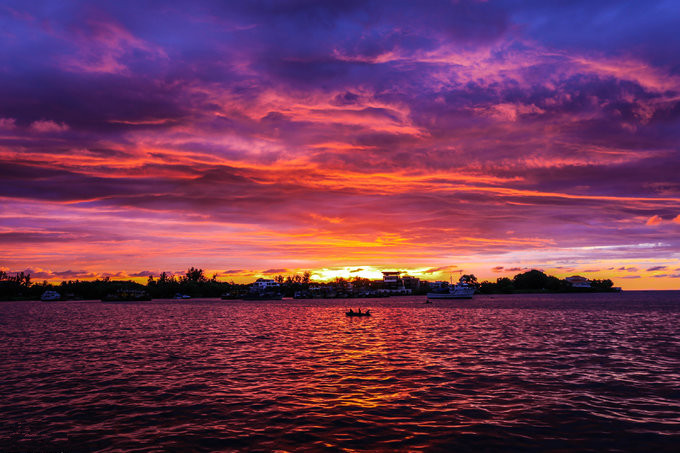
(483, 137)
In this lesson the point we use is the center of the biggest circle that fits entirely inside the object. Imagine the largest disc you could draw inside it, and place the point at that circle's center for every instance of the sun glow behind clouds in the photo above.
(347, 273)
(243, 140)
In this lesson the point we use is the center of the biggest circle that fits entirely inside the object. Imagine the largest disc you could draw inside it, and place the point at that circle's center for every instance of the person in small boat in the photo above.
(351, 312)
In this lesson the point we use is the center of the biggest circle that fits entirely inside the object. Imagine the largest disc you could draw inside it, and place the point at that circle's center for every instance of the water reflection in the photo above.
(536, 372)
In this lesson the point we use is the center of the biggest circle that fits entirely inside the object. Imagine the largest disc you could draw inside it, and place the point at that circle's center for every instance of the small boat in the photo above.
(358, 313)
(50, 296)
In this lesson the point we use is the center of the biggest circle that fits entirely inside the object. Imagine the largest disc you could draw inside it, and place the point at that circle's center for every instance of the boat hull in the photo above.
(127, 296)
(459, 291)
(266, 296)
(50, 296)
(448, 296)
(125, 299)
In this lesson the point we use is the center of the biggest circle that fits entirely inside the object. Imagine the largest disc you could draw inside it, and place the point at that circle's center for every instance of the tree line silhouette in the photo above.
(195, 283)
(537, 281)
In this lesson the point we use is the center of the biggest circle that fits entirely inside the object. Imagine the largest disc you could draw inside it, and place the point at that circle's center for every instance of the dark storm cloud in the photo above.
(41, 183)
(100, 104)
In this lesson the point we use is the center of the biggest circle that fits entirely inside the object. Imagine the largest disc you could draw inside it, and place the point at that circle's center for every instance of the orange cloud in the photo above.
(654, 220)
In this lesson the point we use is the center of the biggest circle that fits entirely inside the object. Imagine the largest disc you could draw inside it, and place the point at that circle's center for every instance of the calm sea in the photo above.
(587, 372)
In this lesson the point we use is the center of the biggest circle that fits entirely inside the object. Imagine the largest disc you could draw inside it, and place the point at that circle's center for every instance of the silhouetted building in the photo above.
(391, 280)
(578, 282)
(410, 282)
(439, 285)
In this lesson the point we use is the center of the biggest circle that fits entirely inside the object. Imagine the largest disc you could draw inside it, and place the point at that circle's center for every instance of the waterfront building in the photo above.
(392, 280)
(577, 281)
(410, 282)
(439, 285)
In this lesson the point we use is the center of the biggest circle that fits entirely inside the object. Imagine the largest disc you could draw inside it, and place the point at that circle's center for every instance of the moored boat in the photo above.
(460, 290)
(127, 295)
(50, 296)
(263, 296)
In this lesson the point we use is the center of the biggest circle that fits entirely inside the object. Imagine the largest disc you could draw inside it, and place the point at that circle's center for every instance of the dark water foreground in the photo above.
(522, 372)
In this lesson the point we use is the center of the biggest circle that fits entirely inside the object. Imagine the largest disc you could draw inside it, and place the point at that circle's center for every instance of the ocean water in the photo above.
(587, 372)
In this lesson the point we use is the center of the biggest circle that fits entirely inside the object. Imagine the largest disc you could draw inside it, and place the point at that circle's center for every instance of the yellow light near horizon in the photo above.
(369, 272)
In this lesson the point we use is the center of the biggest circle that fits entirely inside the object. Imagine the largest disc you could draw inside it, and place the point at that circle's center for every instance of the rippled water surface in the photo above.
(523, 372)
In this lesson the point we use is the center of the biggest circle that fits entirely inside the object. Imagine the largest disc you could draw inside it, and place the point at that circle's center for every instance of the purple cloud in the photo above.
(321, 129)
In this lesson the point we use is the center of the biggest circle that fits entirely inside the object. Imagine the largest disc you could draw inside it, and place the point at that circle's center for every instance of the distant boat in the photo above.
(358, 313)
(460, 290)
(127, 295)
(50, 295)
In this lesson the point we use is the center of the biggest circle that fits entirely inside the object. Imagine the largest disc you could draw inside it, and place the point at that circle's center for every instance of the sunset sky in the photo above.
(262, 137)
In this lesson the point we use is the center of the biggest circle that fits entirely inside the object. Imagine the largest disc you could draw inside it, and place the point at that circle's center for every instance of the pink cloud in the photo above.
(103, 46)
(7, 123)
(511, 112)
(47, 126)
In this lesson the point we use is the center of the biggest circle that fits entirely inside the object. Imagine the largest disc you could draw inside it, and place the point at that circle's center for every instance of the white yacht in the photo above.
(460, 290)
(50, 295)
